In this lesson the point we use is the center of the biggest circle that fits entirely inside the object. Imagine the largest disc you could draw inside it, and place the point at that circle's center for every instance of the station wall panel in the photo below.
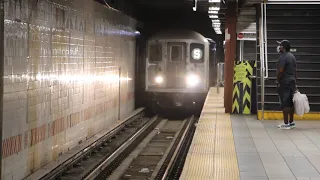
(62, 72)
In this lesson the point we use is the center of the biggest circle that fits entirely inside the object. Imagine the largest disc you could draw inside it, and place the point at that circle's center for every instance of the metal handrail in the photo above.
(178, 148)
(265, 41)
(219, 77)
(241, 47)
(262, 56)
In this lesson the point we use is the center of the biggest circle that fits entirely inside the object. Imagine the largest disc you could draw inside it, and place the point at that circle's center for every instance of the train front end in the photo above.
(177, 72)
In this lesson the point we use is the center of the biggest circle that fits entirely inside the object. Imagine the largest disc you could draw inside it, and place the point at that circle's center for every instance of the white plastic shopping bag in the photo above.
(301, 103)
(306, 103)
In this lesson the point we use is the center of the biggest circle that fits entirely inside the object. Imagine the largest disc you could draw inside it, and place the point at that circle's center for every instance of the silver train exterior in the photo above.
(177, 70)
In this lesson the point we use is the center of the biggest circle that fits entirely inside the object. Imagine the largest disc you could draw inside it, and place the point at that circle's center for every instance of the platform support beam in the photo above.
(230, 54)
(1, 77)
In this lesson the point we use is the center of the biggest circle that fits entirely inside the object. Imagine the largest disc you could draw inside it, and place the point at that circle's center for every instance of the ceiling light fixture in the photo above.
(213, 12)
(212, 8)
(215, 21)
(195, 5)
(216, 25)
(213, 16)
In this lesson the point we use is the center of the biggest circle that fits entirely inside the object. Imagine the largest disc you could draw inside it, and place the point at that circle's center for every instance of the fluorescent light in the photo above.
(216, 25)
(215, 21)
(213, 16)
(218, 31)
(213, 12)
(213, 8)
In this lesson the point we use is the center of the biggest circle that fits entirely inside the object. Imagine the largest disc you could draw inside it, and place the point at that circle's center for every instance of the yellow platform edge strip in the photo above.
(212, 154)
(277, 115)
(226, 161)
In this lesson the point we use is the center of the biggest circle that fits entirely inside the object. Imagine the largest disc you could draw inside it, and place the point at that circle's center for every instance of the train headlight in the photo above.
(159, 79)
(193, 80)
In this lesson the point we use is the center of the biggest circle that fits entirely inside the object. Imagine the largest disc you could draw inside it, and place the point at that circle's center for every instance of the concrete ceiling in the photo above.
(178, 13)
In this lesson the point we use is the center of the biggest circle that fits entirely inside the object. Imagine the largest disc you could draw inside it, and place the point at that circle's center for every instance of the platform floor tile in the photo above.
(265, 152)
(239, 147)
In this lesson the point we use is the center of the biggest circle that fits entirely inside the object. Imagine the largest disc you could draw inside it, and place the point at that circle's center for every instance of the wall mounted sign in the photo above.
(247, 36)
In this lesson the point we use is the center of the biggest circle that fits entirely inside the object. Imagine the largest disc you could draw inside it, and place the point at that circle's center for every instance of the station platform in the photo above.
(239, 147)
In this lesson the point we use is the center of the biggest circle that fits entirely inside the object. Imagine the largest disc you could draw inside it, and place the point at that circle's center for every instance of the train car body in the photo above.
(177, 70)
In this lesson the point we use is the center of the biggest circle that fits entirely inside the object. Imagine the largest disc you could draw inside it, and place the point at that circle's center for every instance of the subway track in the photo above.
(139, 148)
(160, 155)
(149, 161)
(85, 167)
(82, 163)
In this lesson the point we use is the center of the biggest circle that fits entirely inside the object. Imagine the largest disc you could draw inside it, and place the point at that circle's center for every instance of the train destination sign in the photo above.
(197, 54)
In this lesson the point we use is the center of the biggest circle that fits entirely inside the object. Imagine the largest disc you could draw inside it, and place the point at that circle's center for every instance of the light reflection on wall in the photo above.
(68, 79)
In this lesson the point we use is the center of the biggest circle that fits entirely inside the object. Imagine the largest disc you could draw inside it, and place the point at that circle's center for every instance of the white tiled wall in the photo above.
(62, 62)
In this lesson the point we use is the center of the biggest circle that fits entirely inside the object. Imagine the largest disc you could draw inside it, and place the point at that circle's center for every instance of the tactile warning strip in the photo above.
(212, 154)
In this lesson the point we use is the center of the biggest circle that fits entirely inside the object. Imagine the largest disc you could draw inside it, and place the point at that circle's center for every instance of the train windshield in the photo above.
(155, 52)
(176, 53)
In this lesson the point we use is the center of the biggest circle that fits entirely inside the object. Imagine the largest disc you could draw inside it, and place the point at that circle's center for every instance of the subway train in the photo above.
(180, 67)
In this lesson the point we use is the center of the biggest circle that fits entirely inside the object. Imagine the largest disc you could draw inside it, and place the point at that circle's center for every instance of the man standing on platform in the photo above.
(286, 82)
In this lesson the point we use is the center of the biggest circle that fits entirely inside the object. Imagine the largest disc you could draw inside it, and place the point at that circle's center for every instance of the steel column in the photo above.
(230, 54)
(1, 76)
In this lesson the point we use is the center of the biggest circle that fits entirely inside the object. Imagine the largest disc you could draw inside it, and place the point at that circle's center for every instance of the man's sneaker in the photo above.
(292, 125)
(284, 126)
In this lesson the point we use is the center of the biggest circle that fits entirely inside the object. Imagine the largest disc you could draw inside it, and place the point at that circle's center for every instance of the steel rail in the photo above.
(102, 166)
(168, 170)
(139, 113)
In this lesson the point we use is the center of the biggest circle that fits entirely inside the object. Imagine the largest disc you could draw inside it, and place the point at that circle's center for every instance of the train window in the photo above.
(176, 53)
(196, 53)
(155, 52)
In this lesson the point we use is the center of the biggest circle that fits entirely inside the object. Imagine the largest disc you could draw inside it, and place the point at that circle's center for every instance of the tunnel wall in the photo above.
(61, 78)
